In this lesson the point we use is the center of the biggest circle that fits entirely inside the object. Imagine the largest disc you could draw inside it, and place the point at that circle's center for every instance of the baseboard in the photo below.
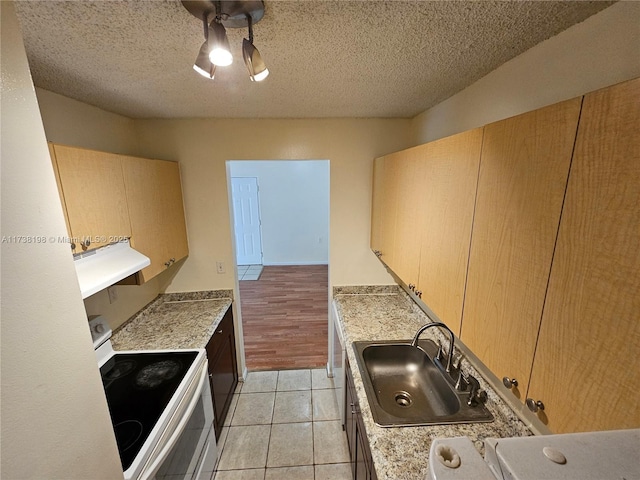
(291, 264)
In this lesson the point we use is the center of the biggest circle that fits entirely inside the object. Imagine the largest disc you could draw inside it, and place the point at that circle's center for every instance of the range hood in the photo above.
(101, 268)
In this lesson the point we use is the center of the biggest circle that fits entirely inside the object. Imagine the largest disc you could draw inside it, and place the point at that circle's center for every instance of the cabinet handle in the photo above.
(412, 287)
(219, 331)
(377, 253)
(419, 293)
(172, 260)
(509, 382)
(534, 405)
(86, 243)
(73, 246)
(167, 263)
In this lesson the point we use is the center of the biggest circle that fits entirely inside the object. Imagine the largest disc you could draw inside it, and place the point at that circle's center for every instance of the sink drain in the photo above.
(403, 399)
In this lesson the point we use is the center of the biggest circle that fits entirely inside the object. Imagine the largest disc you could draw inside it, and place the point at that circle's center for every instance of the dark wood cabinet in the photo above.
(223, 369)
(361, 461)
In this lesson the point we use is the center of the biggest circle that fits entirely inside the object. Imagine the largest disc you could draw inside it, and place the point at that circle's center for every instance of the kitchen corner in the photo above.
(174, 321)
(387, 313)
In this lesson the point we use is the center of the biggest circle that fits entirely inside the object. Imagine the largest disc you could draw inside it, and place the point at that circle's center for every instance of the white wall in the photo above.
(599, 52)
(55, 420)
(294, 208)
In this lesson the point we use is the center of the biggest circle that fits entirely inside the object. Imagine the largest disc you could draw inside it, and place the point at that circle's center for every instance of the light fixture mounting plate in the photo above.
(233, 13)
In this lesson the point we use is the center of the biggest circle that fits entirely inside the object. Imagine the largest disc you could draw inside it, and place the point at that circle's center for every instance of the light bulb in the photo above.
(220, 56)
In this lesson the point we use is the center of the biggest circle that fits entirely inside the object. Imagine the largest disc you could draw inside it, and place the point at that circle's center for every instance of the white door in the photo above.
(246, 220)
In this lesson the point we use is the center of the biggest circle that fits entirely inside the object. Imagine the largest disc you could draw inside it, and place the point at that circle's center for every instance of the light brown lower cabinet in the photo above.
(158, 228)
(586, 371)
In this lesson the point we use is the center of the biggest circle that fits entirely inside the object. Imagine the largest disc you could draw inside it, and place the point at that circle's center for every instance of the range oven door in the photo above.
(187, 450)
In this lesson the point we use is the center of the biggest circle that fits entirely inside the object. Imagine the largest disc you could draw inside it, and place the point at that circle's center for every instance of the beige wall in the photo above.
(601, 51)
(55, 420)
(71, 122)
(204, 145)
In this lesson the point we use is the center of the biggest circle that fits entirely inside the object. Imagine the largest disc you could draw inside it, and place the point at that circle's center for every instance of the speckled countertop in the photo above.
(387, 313)
(174, 321)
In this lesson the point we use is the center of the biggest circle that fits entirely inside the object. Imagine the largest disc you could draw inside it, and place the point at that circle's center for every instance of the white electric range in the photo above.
(161, 409)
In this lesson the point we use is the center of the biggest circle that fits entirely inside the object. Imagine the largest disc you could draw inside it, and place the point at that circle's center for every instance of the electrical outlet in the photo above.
(113, 294)
(220, 267)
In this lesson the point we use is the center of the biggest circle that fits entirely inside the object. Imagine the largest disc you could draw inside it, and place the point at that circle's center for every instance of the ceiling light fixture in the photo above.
(219, 51)
(258, 71)
(215, 51)
(203, 65)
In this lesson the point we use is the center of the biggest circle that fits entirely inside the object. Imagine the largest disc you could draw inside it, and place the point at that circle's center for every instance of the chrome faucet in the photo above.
(414, 343)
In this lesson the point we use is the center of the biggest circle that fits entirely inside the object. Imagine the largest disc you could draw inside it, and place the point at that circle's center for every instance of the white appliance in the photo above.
(575, 456)
(161, 409)
(100, 268)
(337, 363)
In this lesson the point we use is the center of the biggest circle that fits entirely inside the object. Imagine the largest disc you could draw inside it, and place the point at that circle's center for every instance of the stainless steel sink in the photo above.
(405, 386)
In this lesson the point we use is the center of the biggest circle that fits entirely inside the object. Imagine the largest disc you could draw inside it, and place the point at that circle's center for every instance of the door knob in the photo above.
(509, 382)
(534, 405)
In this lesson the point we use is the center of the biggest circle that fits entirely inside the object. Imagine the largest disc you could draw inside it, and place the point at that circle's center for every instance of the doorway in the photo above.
(285, 310)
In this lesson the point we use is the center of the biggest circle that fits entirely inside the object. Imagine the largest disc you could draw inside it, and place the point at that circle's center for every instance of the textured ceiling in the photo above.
(326, 58)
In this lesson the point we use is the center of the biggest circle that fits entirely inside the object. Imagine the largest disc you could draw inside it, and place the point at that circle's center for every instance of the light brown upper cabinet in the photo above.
(383, 217)
(585, 370)
(523, 176)
(158, 229)
(422, 214)
(450, 189)
(92, 190)
(404, 174)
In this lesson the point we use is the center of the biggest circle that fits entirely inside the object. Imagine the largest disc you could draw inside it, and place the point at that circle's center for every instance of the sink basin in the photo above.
(405, 387)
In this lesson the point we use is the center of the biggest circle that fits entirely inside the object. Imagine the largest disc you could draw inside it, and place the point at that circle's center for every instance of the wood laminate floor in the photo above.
(284, 317)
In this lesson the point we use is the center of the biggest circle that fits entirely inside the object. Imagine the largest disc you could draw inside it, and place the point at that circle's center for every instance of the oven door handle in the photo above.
(155, 465)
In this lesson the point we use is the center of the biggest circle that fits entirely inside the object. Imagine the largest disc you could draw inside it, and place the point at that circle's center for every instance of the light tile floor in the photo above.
(284, 425)
(249, 272)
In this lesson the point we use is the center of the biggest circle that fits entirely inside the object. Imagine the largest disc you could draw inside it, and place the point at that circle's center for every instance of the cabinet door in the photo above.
(585, 371)
(450, 179)
(409, 171)
(397, 219)
(158, 227)
(378, 227)
(350, 412)
(56, 172)
(383, 219)
(223, 373)
(93, 188)
(362, 471)
(523, 174)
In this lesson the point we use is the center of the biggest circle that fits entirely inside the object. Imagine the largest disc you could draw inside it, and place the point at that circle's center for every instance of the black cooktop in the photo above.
(139, 387)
